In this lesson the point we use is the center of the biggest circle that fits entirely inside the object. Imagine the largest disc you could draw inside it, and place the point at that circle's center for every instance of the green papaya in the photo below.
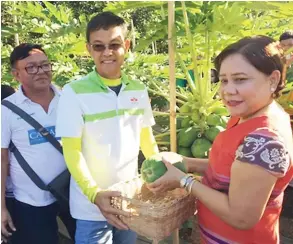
(185, 122)
(153, 168)
(179, 122)
(185, 108)
(225, 120)
(185, 151)
(187, 136)
(212, 132)
(214, 119)
(195, 117)
(221, 111)
(200, 148)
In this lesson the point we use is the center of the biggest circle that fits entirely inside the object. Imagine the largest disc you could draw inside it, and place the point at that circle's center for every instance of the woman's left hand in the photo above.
(169, 181)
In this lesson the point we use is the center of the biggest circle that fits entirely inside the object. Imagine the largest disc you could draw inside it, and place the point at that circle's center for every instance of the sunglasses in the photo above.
(102, 47)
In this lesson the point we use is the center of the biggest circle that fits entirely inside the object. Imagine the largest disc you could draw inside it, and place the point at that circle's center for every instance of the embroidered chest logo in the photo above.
(134, 100)
(36, 138)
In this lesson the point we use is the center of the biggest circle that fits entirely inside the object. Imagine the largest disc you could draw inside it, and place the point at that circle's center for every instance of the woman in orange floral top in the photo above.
(250, 163)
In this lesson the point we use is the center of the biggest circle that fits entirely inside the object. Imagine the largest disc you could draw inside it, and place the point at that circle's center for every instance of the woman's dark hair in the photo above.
(105, 20)
(260, 52)
(22, 51)
(216, 76)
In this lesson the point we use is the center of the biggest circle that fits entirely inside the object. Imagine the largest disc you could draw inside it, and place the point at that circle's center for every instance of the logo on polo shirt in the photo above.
(134, 100)
(36, 137)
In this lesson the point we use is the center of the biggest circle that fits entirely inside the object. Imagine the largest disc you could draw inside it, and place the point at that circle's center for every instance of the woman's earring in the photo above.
(272, 89)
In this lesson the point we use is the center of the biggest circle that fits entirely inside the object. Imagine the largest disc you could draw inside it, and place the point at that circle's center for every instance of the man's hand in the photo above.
(103, 201)
(6, 224)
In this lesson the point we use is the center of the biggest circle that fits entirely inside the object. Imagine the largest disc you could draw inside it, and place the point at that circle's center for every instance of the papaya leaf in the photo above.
(39, 29)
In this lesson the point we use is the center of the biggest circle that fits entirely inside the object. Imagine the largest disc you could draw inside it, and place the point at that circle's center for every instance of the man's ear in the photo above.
(88, 47)
(15, 74)
(127, 45)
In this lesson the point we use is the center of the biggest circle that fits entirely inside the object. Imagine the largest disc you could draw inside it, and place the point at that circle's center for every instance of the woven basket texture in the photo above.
(154, 216)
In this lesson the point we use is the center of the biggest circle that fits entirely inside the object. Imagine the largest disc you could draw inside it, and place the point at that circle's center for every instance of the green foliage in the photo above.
(60, 27)
(61, 35)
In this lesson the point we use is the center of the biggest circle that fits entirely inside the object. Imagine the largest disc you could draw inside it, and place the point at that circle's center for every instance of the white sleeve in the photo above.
(70, 121)
(148, 118)
(5, 127)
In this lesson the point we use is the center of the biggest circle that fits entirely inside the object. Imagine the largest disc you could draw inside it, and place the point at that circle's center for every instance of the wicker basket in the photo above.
(153, 216)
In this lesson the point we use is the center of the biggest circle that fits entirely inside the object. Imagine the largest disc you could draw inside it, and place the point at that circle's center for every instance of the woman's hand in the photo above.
(169, 181)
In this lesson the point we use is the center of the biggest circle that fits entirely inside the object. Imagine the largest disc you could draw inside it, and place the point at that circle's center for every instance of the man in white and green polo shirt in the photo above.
(103, 119)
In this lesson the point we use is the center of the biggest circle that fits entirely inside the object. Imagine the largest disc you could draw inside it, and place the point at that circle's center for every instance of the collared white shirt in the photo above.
(43, 158)
(109, 126)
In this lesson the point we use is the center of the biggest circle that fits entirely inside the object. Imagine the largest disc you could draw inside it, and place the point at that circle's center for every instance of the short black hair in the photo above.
(105, 20)
(286, 35)
(6, 91)
(22, 51)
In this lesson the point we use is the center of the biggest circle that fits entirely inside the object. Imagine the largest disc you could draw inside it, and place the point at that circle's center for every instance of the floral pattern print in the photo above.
(265, 151)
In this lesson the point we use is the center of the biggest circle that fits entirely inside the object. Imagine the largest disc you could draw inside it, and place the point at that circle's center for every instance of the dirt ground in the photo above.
(187, 236)
(286, 230)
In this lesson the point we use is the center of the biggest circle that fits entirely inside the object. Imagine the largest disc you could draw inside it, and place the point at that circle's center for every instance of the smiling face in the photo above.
(109, 61)
(245, 90)
(33, 82)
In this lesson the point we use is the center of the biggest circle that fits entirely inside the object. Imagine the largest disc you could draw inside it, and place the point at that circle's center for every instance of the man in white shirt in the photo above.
(103, 119)
(6, 91)
(35, 210)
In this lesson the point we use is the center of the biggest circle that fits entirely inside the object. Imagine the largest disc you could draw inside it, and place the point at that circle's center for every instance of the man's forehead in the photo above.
(35, 56)
(107, 35)
(36, 51)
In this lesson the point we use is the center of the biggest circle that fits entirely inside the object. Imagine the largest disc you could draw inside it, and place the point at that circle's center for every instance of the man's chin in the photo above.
(110, 74)
(42, 86)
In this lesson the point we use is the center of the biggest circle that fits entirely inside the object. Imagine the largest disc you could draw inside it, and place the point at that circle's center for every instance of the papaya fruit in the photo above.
(185, 151)
(185, 122)
(214, 119)
(195, 117)
(200, 148)
(187, 136)
(221, 111)
(212, 132)
(185, 108)
(153, 168)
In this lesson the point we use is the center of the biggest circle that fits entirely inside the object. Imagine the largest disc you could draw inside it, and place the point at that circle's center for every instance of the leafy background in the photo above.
(60, 27)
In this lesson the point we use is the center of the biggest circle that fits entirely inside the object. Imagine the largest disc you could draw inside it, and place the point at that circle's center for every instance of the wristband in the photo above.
(189, 186)
(184, 180)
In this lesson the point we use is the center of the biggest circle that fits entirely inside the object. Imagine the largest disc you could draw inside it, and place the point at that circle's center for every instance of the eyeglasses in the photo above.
(34, 69)
(102, 47)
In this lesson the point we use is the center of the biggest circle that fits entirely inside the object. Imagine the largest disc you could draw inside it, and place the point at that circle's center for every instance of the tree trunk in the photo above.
(16, 36)
(133, 34)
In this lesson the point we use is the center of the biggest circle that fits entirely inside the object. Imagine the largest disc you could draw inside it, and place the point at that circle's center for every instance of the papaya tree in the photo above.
(202, 30)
